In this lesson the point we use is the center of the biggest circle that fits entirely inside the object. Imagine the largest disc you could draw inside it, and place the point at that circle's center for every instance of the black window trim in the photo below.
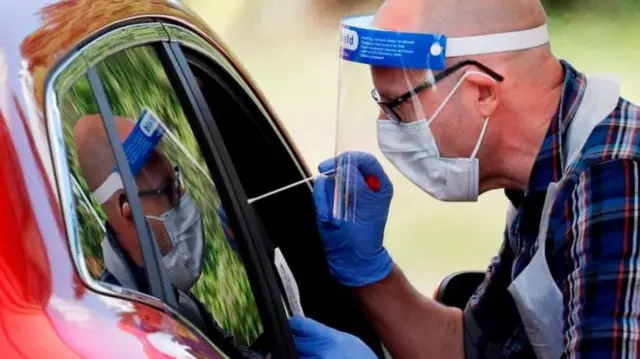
(218, 67)
(193, 40)
(243, 220)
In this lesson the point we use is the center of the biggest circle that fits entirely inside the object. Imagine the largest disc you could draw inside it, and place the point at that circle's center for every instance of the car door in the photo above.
(265, 159)
(132, 203)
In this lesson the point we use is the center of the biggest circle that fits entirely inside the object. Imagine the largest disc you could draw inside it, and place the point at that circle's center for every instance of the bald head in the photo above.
(457, 18)
(94, 151)
(463, 18)
(521, 69)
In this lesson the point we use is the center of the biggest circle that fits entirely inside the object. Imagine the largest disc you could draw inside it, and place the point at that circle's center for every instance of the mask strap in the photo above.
(452, 92)
(107, 188)
(484, 130)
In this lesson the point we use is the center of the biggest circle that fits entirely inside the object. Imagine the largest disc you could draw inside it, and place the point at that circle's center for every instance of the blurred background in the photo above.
(291, 48)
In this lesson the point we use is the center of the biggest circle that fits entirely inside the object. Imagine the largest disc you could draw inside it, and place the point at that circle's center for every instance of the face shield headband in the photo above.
(366, 44)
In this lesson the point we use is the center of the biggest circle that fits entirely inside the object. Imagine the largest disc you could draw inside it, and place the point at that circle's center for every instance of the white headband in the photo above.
(492, 43)
(112, 184)
(364, 43)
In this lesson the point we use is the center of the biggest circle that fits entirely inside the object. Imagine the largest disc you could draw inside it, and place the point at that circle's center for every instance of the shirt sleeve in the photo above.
(599, 231)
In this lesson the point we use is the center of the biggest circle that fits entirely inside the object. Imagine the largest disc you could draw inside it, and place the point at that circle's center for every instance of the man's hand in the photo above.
(354, 247)
(315, 340)
(410, 325)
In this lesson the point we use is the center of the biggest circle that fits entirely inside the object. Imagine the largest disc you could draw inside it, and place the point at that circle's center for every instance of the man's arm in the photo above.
(413, 326)
(410, 324)
(600, 229)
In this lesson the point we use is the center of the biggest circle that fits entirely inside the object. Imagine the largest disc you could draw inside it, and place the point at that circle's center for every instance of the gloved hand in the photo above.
(316, 340)
(354, 246)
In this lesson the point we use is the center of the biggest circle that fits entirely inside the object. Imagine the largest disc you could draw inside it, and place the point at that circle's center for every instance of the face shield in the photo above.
(392, 86)
(159, 161)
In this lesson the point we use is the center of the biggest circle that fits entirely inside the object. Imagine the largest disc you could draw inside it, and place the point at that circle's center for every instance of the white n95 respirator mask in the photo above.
(412, 149)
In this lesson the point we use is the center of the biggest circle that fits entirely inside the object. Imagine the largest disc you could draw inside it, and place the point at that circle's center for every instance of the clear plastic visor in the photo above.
(382, 79)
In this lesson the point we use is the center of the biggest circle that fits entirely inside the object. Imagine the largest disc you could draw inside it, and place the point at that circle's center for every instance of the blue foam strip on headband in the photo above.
(365, 44)
(141, 142)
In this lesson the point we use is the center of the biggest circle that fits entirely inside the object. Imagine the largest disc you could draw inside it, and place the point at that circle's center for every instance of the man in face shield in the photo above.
(502, 113)
(175, 220)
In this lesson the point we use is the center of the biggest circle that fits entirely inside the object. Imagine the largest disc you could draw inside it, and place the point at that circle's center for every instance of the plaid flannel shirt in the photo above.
(592, 248)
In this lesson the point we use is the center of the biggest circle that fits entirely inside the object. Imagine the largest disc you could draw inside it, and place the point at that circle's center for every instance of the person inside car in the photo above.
(173, 217)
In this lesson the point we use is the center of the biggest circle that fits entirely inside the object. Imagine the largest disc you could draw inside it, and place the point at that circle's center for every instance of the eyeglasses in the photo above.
(389, 106)
(172, 189)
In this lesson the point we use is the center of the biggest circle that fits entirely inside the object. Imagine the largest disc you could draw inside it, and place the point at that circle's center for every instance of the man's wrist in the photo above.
(384, 285)
(362, 272)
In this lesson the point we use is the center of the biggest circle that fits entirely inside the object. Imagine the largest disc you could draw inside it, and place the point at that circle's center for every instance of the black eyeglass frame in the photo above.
(172, 189)
(388, 106)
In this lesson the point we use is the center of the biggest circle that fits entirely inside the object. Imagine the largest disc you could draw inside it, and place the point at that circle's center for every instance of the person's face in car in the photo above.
(159, 191)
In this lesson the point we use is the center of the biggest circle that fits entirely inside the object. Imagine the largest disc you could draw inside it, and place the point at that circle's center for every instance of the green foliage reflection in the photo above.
(134, 80)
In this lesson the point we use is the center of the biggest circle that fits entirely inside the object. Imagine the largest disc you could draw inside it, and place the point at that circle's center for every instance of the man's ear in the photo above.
(489, 92)
(125, 209)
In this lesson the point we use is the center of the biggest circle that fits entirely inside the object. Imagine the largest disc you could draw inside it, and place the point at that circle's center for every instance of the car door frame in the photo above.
(77, 63)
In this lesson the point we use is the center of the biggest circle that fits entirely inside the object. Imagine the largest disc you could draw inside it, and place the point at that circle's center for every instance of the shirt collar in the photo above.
(547, 167)
(139, 274)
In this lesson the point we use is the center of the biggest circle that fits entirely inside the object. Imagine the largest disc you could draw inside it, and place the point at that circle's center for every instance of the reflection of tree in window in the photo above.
(134, 80)
(78, 101)
(60, 21)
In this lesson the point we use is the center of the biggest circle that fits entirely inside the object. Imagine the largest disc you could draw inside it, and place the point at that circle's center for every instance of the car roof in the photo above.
(38, 33)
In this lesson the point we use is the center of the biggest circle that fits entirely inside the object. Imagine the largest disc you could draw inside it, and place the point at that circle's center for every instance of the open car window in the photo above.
(180, 201)
(266, 160)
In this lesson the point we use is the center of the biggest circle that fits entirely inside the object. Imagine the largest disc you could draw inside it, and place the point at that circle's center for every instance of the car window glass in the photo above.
(77, 103)
(180, 200)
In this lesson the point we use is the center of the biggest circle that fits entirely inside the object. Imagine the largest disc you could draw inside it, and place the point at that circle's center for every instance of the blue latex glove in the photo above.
(316, 340)
(354, 247)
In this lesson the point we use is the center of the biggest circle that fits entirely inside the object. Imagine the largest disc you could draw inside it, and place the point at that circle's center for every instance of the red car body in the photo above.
(46, 310)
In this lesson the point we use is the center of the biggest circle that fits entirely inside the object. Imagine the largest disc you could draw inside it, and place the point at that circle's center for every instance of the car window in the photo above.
(90, 215)
(179, 199)
(258, 146)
